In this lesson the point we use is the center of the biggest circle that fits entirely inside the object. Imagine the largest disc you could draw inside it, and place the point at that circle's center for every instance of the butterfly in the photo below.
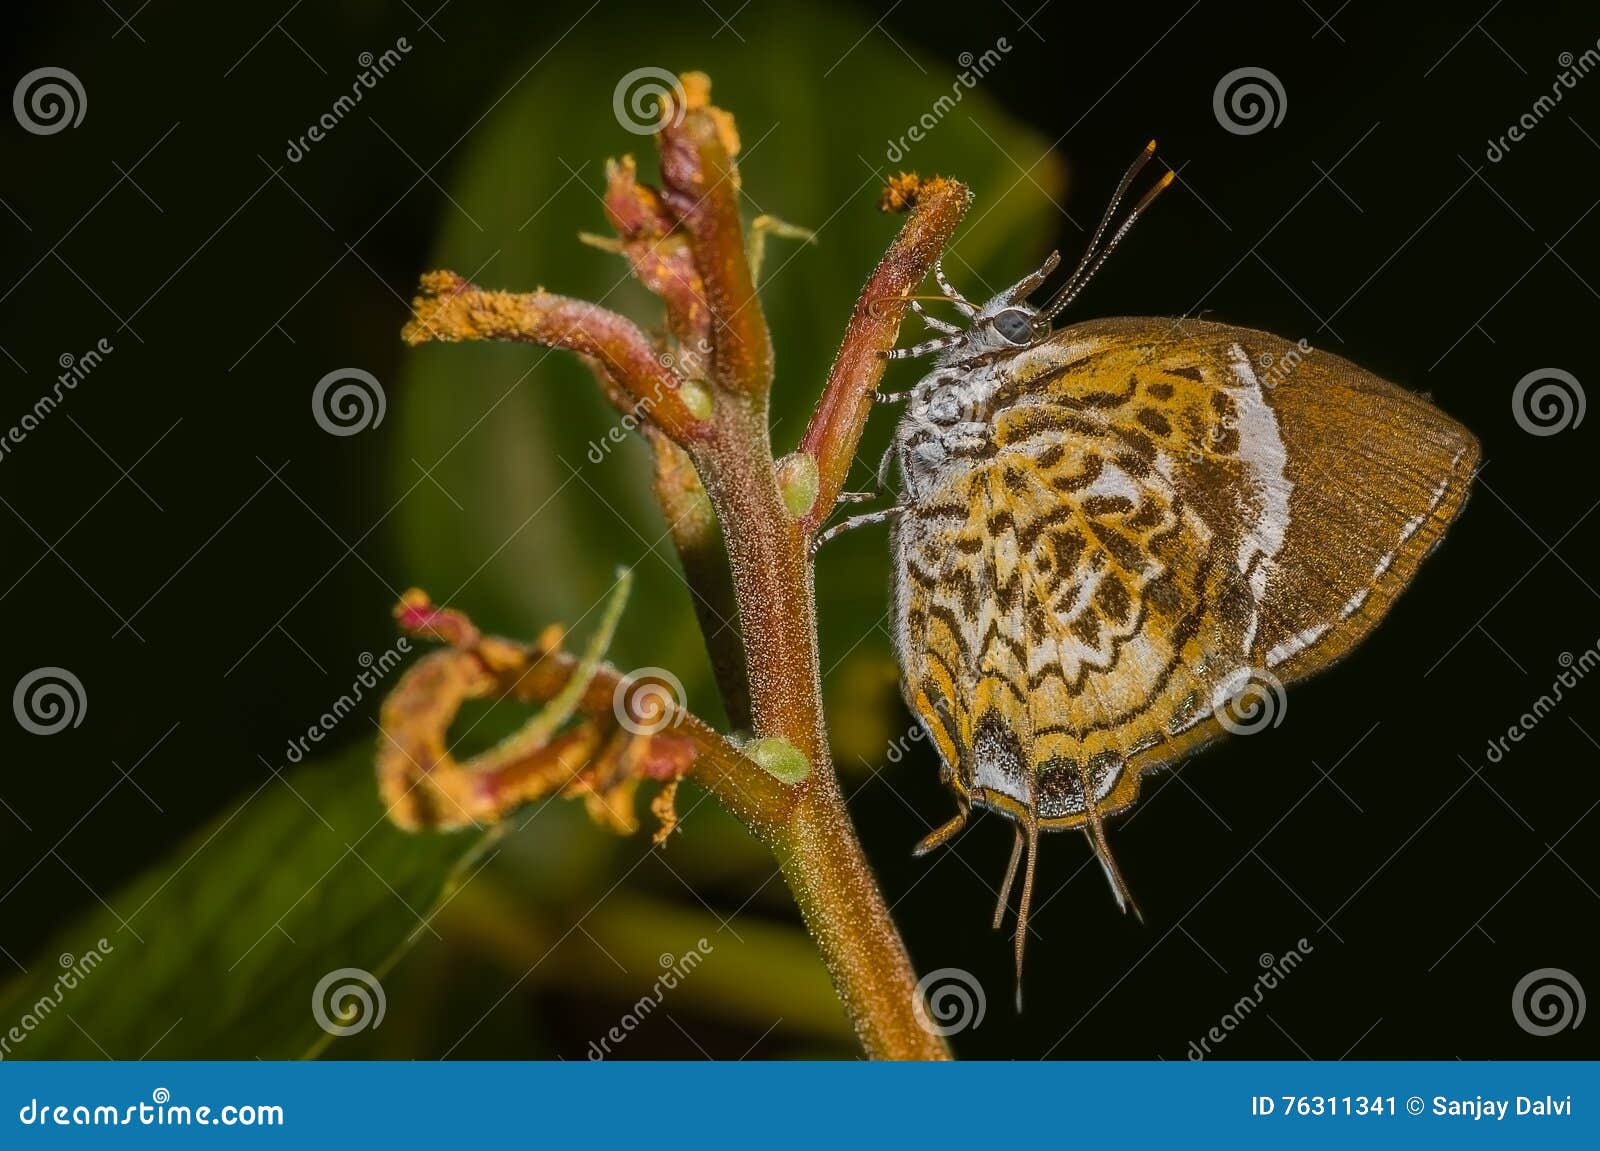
(1115, 539)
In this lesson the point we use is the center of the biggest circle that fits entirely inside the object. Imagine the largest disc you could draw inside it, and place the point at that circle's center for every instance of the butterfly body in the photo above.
(1112, 533)
(1118, 540)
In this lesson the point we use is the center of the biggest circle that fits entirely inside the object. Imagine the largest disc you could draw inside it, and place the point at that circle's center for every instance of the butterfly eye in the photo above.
(1014, 326)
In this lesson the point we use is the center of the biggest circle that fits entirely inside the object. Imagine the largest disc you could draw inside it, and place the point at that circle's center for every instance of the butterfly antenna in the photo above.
(1027, 897)
(1011, 877)
(1095, 255)
(1093, 246)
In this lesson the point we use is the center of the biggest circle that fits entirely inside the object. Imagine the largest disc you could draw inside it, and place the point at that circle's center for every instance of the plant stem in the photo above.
(817, 846)
(686, 243)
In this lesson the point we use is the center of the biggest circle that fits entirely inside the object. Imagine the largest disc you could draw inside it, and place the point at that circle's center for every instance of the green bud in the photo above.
(696, 398)
(780, 758)
(798, 481)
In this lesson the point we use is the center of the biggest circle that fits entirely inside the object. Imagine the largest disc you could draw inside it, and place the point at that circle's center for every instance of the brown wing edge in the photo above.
(1352, 631)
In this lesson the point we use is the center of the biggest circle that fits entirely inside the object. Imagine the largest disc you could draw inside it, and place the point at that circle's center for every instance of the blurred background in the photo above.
(215, 570)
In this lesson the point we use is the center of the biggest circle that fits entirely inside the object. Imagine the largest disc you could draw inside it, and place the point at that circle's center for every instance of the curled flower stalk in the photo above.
(743, 522)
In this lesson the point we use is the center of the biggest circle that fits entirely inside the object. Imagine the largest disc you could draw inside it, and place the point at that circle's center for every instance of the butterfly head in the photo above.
(1006, 324)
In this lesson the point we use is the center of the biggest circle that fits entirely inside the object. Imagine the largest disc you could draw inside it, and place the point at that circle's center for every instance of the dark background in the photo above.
(1427, 879)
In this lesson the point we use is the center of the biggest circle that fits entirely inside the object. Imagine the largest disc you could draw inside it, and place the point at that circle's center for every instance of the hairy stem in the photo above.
(704, 402)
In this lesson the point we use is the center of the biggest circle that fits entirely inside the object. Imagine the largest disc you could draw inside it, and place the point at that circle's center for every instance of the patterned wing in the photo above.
(1163, 514)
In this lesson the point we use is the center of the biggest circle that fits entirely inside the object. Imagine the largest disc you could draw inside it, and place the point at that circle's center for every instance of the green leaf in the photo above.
(225, 942)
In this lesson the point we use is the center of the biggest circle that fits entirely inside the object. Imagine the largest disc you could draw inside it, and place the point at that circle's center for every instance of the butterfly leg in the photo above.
(933, 322)
(965, 305)
(940, 836)
(926, 348)
(860, 521)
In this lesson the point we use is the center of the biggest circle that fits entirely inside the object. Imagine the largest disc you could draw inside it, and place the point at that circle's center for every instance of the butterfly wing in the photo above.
(1169, 514)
